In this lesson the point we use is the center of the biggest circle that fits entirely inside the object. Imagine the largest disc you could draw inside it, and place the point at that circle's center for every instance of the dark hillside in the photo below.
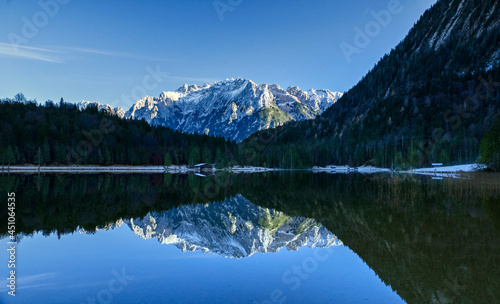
(62, 134)
(432, 98)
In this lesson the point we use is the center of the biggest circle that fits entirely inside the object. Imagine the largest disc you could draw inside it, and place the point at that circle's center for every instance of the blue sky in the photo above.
(52, 271)
(106, 50)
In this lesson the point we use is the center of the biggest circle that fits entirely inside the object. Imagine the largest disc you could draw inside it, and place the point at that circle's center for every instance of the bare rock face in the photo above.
(233, 108)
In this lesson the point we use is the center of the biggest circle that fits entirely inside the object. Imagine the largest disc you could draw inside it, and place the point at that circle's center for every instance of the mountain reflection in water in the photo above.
(432, 241)
(233, 228)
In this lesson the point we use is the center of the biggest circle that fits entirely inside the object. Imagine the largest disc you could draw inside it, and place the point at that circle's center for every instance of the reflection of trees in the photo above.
(63, 203)
(432, 241)
(492, 208)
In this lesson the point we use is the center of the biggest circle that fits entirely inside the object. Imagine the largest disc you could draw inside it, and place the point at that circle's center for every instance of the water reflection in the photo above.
(432, 241)
(233, 228)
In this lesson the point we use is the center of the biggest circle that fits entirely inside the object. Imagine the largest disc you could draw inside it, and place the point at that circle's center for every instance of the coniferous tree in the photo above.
(168, 160)
(490, 147)
(194, 155)
(46, 151)
(39, 157)
(10, 158)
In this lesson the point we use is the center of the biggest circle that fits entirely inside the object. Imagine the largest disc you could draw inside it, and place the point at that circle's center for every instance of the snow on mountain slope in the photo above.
(234, 108)
(234, 228)
(82, 105)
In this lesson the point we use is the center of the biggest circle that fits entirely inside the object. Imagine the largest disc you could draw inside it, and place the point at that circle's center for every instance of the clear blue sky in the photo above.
(100, 50)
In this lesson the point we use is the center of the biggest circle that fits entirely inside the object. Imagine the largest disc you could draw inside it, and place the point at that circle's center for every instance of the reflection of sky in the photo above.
(79, 266)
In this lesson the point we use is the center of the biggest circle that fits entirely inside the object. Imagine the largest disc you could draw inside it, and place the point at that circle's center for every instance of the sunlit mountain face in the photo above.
(233, 108)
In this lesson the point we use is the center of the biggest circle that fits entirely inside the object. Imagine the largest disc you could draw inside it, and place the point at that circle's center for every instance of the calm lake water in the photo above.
(253, 238)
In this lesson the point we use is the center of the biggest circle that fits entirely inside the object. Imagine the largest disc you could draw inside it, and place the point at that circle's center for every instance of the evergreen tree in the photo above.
(490, 147)
(107, 157)
(100, 157)
(46, 151)
(39, 157)
(194, 155)
(207, 155)
(10, 158)
(168, 160)
(17, 155)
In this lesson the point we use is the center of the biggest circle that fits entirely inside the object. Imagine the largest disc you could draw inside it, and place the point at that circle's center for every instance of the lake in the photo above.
(277, 237)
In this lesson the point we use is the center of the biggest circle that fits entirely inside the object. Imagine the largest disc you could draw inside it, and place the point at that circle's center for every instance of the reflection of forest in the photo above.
(432, 241)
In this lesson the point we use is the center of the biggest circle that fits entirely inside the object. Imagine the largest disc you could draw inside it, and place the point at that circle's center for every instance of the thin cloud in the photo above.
(33, 53)
(114, 54)
(43, 54)
(33, 281)
(88, 284)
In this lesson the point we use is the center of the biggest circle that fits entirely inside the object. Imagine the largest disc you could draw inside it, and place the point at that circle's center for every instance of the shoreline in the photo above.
(82, 169)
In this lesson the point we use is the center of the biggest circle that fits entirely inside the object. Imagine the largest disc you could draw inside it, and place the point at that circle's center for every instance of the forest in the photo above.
(61, 134)
(426, 101)
(400, 132)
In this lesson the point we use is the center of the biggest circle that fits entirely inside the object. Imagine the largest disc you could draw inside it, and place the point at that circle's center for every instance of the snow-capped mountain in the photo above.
(82, 105)
(233, 108)
(234, 228)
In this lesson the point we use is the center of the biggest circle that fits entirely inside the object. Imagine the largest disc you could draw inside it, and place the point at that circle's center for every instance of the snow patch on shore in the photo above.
(449, 169)
(347, 169)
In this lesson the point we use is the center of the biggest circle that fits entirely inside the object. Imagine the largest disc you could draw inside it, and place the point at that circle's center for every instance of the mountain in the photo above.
(431, 99)
(233, 108)
(234, 228)
(83, 105)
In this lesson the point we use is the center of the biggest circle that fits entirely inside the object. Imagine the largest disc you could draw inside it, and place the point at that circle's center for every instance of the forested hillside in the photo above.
(431, 99)
(62, 134)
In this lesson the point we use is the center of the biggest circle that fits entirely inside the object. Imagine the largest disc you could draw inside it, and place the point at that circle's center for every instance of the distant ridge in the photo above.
(233, 109)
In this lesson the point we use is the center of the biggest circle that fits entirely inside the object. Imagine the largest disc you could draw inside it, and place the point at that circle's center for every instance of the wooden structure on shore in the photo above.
(204, 168)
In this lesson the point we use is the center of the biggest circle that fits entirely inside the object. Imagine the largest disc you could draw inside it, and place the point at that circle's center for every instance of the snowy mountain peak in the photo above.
(82, 105)
(233, 108)
(186, 89)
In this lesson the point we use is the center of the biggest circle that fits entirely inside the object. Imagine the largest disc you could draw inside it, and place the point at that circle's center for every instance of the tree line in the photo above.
(61, 134)
(423, 102)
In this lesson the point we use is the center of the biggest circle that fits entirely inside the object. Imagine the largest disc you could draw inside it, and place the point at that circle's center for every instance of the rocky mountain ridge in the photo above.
(233, 109)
